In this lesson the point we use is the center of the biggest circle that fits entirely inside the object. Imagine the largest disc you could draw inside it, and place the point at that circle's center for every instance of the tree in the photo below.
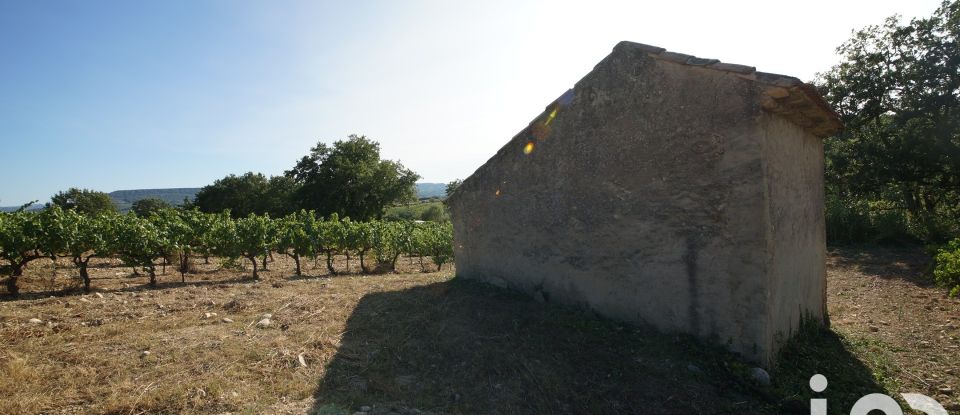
(351, 180)
(146, 207)
(238, 194)
(897, 92)
(251, 193)
(88, 202)
(278, 198)
(435, 213)
(453, 186)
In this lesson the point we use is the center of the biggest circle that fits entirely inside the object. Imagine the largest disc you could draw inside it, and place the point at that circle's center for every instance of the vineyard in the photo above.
(174, 237)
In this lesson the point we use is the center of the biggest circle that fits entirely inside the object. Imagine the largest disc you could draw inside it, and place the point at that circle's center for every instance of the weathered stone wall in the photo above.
(793, 169)
(641, 195)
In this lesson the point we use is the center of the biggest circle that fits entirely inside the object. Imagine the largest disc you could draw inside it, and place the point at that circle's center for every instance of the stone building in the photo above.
(663, 189)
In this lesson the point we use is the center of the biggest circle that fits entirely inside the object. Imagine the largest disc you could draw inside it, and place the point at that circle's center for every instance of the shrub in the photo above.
(947, 271)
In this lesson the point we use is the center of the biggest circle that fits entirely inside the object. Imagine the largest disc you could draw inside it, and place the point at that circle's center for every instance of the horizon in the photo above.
(112, 95)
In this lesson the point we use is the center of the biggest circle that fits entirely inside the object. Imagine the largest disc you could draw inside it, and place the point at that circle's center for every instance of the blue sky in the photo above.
(116, 95)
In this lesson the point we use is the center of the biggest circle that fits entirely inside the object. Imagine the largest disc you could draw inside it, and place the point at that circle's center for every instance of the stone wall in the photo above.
(793, 169)
(643, 194)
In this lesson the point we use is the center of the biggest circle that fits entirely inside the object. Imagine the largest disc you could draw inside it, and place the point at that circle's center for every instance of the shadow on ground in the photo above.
(464, 347)
(909, 263)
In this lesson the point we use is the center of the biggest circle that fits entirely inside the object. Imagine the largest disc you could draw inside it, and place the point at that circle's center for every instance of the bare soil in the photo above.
(415, 342)
(885, 297)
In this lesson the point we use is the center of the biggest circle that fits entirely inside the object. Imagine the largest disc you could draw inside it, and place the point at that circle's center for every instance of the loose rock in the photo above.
(36, 321)
(760, 376)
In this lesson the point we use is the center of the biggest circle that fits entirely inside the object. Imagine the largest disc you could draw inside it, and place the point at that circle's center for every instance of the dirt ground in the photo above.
(424, 342)
(886, 296)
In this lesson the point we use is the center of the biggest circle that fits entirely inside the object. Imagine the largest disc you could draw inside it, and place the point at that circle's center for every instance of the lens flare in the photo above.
(553, 114)
(527, 149)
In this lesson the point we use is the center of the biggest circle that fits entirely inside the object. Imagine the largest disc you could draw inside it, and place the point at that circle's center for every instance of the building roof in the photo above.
(784, 95)
(789, 97)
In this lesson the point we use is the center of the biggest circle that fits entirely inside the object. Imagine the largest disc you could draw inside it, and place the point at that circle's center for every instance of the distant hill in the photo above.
(428, 190)
(125, 198)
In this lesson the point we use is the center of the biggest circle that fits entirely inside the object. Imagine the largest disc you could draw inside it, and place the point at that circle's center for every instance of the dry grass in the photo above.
(87, 356)
(426, 341)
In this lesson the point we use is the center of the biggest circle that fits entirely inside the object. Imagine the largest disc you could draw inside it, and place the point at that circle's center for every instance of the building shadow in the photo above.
(465, 347)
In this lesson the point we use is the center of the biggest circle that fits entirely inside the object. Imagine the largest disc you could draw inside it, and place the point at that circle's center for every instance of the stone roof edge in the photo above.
(785, 95)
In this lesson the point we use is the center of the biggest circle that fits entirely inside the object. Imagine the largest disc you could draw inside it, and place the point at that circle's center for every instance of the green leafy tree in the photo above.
(453, 186)
(278, 198)
(251, 193)
(435, 213)
(897, 91)
(88, 202)
(351, 180)
(146, 207)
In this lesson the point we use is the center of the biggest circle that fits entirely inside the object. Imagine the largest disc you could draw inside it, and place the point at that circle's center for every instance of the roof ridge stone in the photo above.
(790, 96)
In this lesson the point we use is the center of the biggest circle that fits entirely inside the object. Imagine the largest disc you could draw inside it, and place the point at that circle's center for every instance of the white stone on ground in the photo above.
(760, 376)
